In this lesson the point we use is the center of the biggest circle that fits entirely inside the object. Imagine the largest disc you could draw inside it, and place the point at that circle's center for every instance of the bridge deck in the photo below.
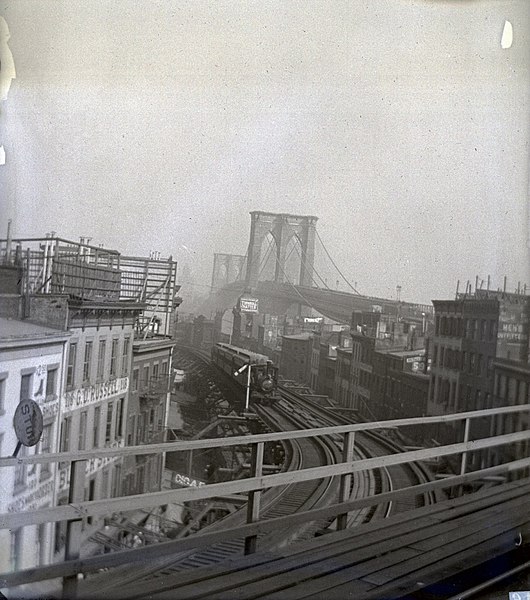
(386, 559)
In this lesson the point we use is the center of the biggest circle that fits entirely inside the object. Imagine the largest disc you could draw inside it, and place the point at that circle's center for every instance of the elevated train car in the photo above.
(263, 375)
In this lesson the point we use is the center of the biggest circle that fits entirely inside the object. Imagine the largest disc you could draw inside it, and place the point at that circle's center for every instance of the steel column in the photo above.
(346, 479)
(254, 497)
(73, 526)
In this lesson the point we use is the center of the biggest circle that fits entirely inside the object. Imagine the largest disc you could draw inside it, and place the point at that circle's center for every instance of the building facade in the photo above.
(472, 332)
(147, 413)
(295, 361)
(31, 368)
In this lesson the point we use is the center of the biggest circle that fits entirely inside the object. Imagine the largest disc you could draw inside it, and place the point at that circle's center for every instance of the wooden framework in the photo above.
(77, 510)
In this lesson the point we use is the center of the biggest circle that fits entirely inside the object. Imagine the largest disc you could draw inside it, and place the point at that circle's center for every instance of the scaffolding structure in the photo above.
(53, 265)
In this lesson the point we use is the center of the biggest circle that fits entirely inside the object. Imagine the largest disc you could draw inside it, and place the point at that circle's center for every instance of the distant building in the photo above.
(471, 332)
(399, 386)
(147, 412)
(373, 332)
(511, 387)
(31, 368)
(295, 362)
(342, 389)
(103, 300)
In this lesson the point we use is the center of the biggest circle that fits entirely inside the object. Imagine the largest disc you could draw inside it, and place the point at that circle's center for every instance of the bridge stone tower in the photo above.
(282, 227)
(227, 268)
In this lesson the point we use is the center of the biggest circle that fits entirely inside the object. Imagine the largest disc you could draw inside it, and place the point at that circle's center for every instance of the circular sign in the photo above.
(28, 422)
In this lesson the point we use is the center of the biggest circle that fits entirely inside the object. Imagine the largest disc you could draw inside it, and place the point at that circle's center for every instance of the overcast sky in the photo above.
(403, 125)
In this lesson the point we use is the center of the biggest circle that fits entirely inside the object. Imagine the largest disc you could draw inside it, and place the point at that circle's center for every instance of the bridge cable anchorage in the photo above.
(304, 254)
(334, 264)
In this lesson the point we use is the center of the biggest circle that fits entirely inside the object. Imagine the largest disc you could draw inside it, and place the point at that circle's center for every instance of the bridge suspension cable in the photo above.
(303, 256)
(306, 301)
(334, 264)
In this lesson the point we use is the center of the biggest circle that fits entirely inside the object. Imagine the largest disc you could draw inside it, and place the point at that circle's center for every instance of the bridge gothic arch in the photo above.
(287, 230)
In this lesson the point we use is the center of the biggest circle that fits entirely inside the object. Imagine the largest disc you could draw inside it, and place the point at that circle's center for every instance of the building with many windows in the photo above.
(31, 368)
(147, 414)
(101, 301)
(471, 333)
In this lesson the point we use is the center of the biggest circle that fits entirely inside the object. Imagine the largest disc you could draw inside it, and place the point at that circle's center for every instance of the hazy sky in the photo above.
(403, 125)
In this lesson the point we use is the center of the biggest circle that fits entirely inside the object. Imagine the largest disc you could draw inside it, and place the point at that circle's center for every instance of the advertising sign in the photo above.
(248, 305)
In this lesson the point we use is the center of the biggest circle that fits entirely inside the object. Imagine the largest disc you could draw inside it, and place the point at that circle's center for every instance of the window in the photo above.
(87, 362)
(25, 386)
(146, 376)
(45, 448)
(113, 357)
(105, 483)
(101, 359)
(97, 417)
(136, 375)
(155, 371)
(70, 369)
(130, 434)
(65, 434)
(16, 549)
(41, 544)
(2, 394)
(119, 417)
(51, 382)
(125, 357)
(21, 470)
(108, 429)
(81, 444)
(116, 483)
(164, 368)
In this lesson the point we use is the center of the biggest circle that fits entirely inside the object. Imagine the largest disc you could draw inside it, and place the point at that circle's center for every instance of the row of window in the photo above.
(26, 386)
(466, 362)
(147, 374)
(473, 329)
(117, 366)
(142, 427)
(43, 471)
(107, 419)
(512, 390)
(469, 398)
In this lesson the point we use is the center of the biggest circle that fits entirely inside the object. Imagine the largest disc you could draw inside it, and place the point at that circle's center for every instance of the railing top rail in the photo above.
(249, 439)
(106, 506)
(72, 243)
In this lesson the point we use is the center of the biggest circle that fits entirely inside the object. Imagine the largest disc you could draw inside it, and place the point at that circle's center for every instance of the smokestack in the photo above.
(505, 282)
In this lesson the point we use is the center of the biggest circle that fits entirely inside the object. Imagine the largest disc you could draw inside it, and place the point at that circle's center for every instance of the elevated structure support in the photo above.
(282, 227)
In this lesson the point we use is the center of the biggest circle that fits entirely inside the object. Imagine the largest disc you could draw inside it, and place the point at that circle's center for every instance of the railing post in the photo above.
(253, 505)
(346, 479)
(464, 454)
(73, 526)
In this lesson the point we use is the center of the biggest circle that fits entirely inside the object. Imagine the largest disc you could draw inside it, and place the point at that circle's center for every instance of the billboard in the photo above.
(248, 305)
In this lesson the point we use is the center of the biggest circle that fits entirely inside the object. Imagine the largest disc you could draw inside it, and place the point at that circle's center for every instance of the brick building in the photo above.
(471, 333)
(295, 361)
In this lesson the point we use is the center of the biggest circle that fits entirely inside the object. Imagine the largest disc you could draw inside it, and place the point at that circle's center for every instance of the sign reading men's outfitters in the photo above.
(248, 305)
(93, 393)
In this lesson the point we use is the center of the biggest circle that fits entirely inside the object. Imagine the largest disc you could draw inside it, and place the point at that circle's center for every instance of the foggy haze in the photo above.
(402, 125)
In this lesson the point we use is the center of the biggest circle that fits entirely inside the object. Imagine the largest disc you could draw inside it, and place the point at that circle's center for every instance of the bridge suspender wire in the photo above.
(309, 272)
(302, 260)
(333, 262)
(265, 259)
(306, 301)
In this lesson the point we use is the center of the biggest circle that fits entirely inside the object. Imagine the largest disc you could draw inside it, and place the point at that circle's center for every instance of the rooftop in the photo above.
(15, 330)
